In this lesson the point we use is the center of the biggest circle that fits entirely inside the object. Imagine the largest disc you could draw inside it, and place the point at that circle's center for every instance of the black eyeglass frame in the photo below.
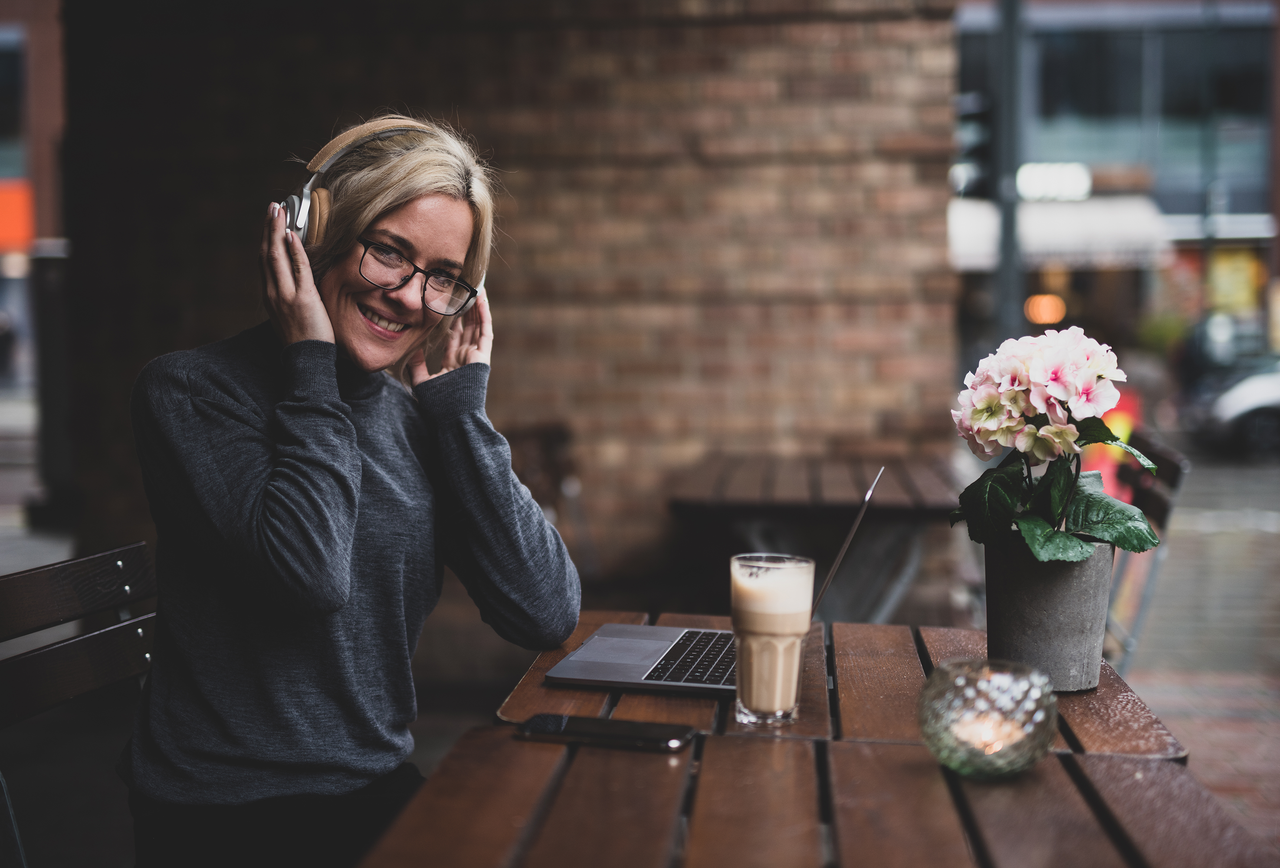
(472, 292)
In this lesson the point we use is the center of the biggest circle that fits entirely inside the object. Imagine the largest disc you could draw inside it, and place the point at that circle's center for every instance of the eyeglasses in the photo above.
(386, 268)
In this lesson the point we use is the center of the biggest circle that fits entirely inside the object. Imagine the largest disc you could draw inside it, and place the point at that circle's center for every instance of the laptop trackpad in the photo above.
(610, 650)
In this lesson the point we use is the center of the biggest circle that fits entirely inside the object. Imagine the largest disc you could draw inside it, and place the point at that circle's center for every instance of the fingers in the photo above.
(289, 291)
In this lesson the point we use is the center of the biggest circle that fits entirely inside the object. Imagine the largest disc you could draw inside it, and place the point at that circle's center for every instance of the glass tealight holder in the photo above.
(987, 718)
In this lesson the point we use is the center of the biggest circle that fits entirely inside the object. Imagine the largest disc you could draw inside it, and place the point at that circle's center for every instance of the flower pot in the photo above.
(1051, 615)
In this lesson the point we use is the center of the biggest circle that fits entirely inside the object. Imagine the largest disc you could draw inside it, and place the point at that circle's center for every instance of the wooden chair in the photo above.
(1134, 576)
(102, 591)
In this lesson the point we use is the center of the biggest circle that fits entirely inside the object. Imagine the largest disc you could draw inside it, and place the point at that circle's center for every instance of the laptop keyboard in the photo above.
(698, 657)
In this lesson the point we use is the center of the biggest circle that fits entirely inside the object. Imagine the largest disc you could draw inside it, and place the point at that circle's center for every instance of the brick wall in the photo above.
(723, 226)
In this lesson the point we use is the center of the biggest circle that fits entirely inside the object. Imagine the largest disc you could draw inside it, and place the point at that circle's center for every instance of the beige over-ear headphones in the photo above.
(307, 213)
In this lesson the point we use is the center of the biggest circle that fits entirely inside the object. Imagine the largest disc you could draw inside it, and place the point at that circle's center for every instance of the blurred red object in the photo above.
(17, 215)
(1121, 419)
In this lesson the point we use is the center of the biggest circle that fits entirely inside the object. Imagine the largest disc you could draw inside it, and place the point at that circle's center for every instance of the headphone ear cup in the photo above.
(318, 219)
(291, 205)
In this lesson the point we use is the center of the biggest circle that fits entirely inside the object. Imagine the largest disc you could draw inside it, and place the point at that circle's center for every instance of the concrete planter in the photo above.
(1050, 615)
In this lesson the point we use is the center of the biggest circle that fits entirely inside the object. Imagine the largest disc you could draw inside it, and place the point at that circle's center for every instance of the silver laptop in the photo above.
(686, 660)
(642, 657)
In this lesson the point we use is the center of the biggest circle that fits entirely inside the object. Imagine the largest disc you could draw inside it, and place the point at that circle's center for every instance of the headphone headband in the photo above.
(359, 135)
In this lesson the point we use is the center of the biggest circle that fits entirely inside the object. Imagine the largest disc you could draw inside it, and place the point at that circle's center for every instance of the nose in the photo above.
(408, 296)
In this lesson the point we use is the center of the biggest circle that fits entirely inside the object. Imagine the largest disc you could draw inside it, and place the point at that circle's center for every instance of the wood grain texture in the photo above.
(475, 809)
(1039, 819)
(949, 643)
(746, 482)
(836, 485)
(891, 807)
(756, 805)
(891, 492)
(933, 484)
(696, 711)
(534, 696)
(813, 720)
(791, 481)
(878, 679)
(1171, 819)
(1112, 719)
(615, 807)
(43, 597)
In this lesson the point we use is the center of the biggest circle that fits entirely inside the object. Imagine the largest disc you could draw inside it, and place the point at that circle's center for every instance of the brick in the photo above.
(740, 89)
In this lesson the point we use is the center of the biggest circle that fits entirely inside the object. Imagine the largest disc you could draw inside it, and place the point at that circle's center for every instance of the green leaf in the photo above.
(991, 501)
(956, 516)
(1048, 544)
(1142, 459)
(1094, 430)
(1052, 491)
(1099, 515)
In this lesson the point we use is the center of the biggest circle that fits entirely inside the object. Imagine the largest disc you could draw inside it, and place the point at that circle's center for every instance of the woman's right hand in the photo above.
(288, 289)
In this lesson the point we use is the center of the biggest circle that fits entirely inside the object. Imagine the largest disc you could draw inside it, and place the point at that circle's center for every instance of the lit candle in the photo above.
(989, 731)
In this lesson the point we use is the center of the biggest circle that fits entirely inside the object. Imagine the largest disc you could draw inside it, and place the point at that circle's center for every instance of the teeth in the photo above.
(380, 322)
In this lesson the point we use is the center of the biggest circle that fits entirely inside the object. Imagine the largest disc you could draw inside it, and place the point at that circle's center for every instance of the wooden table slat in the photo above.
(791, 481)
(533, 696)
(1171, 819)
(950, 643)
(614, 807)
(701, 482)
(1039, 818)
(933, 482)
(474, 808)
(836, 484)
(813, 720)
(746, 481)
(878, 678)
(1112, 719)
(696, 711)
(756, 805)
(891, 492)
(892, 807)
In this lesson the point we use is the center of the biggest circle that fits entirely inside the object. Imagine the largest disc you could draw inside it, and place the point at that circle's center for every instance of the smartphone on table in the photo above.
(602, 732)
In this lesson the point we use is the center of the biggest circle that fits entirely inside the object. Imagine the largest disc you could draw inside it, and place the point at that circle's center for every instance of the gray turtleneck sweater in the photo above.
(305, 512)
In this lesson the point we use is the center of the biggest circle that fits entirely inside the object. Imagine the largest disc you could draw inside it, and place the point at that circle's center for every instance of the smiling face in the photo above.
(373, 327)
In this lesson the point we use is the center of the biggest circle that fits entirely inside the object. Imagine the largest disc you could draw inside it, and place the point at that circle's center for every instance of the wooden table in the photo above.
(849, 784)
(729, 504)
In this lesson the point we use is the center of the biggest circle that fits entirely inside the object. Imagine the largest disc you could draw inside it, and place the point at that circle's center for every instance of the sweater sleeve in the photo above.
(279, 487)
(494, 535)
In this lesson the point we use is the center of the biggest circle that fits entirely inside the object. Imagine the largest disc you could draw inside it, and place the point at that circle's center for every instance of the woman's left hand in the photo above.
(470, 340)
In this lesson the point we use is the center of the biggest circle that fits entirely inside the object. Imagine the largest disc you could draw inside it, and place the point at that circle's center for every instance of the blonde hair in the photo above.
(380, 175)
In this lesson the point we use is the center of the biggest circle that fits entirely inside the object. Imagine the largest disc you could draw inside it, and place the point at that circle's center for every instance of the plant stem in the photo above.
(1075, 481)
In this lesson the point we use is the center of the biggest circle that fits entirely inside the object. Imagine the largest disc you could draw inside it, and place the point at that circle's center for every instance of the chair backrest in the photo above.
(33, 600)
(101, 591)
(1155, 494)
(1134, 579)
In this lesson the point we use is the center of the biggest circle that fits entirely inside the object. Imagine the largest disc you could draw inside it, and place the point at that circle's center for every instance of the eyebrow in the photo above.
(405, 244)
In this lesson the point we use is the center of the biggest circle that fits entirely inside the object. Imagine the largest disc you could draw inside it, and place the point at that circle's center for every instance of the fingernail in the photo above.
(275, 209)
(288, 235)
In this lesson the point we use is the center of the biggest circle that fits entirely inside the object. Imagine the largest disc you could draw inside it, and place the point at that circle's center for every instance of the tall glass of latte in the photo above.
(771, 597)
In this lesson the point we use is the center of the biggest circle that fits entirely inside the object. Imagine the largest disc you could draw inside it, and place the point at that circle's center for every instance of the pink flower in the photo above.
(1094, 396)
(1056, 373)
(984, 449)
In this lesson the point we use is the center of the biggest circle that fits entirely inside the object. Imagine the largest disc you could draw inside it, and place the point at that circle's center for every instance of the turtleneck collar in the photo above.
(354, 383)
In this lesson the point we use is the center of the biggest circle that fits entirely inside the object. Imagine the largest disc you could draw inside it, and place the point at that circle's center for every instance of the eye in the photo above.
(386, 255)
(443, 280)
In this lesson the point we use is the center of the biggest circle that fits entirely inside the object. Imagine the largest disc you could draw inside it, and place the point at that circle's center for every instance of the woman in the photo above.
(309, 480)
